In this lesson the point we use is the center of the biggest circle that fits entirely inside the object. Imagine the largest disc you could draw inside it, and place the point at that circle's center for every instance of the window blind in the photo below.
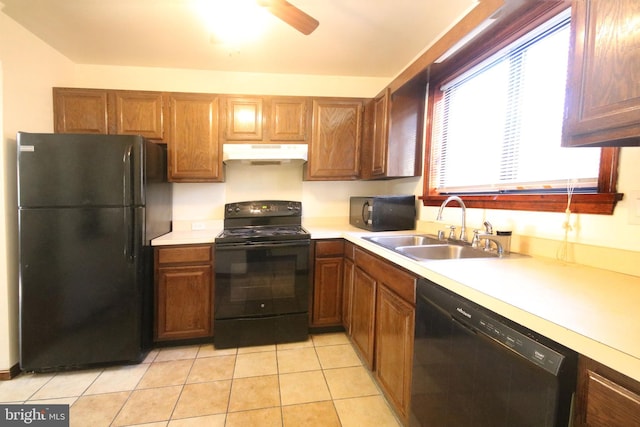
(498, 126)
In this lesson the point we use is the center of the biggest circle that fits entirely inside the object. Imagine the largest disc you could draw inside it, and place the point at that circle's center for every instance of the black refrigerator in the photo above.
(88, 207)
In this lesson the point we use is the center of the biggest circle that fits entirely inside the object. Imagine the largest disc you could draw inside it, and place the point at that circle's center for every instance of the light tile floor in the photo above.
(320, 382)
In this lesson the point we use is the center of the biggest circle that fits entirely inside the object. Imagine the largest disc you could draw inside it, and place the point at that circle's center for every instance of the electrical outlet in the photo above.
(634, 207)
(197, 226)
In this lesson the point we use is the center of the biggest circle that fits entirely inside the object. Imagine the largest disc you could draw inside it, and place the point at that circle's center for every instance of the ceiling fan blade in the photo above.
(291, 15)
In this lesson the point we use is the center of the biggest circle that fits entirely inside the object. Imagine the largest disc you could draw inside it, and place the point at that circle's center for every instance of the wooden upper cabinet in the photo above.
(289, 119)
(334, 149)
(244, 119)
(603, 93)
(101, 111)
(194, 149)
(139, 113)
(392, 146)
(80, 110)
(380, 135)
(266, 119)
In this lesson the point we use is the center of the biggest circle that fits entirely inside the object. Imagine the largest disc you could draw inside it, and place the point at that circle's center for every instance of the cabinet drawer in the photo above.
(329, 247)
(181, 254)
(399, 281)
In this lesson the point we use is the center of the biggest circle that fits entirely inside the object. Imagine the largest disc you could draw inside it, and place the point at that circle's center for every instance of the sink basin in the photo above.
(393, 242)
(445, 251)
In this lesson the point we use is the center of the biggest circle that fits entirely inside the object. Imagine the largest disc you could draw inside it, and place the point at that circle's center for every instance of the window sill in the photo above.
(596, 203)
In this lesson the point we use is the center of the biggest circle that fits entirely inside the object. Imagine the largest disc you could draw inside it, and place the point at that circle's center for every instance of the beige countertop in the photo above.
(593, 311)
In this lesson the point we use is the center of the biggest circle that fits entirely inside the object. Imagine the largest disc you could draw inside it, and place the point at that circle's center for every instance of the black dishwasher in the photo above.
(474, 368)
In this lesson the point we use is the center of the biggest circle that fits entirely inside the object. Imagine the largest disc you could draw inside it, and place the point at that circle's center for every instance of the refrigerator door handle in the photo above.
(127, 201)
(127, 177)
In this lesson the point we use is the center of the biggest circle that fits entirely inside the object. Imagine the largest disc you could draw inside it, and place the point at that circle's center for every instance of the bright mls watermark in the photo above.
(34, 415)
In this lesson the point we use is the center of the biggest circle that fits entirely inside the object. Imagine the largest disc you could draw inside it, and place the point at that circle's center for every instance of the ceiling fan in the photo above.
(290, 14)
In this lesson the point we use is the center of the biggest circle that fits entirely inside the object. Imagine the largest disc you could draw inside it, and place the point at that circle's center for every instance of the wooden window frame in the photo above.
(507, 29)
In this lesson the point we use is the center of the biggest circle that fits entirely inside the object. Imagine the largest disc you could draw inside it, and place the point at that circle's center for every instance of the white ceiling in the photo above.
(374, 38)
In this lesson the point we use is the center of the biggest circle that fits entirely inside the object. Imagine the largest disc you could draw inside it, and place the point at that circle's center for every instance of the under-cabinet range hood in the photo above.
(264, 154)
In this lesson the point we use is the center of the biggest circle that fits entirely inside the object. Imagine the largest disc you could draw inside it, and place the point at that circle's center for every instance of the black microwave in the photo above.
(383, 213)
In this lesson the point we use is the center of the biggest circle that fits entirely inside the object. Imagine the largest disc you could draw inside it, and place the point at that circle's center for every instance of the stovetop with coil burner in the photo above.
(262, 221)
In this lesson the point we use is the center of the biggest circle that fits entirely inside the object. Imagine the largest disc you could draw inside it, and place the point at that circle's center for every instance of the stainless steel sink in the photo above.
(425, 247)
(443, 251)
(393, 242)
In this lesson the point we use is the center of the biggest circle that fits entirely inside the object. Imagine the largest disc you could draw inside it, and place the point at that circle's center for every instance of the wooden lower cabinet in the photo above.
(382, 323)
(395, 323)
(605, 398)
(327, 283)
(183, 292)
(347, 285)
(363, 306)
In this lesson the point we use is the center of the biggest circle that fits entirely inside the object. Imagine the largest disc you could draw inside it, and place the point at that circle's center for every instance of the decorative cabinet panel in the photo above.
(605, 398)
(80, 110)
(327, 283)
(183, 292)
(194, 149)
(334, 149)
(392, 146)
(603, 94)
(100, 111)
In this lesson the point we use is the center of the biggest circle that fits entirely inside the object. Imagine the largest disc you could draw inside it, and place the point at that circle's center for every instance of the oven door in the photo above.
(261, 280)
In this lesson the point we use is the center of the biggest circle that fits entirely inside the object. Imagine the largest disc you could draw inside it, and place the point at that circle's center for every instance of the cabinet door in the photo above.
(80, 110)
(288, 119)
(327, 292)
(347, 292)
(194, 151)
(363, 305)
(379, 138)
(605, 398)
(395, 322)
(244, 121)
(184, 302)
(139, 113)
(603, 96)
(334, 149)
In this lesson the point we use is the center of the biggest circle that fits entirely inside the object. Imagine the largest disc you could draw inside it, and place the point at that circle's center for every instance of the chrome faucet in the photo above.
(499, 241)
(463, 229)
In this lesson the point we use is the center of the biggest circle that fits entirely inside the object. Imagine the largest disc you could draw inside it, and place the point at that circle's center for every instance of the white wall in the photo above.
(29, 70)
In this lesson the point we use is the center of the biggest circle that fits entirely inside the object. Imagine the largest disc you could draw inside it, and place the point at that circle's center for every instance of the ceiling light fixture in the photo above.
(233, 22)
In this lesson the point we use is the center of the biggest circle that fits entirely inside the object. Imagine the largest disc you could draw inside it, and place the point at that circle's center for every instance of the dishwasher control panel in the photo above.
(483, 321)
(525, 346)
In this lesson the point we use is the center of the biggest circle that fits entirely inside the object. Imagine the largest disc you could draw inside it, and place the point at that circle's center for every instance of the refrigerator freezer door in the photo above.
(80, 170)
(80, 293)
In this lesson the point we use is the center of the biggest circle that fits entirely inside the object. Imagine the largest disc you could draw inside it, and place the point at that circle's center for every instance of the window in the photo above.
(496, 127)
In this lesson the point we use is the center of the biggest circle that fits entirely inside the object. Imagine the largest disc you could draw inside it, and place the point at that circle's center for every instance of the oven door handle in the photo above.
(248, 245)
